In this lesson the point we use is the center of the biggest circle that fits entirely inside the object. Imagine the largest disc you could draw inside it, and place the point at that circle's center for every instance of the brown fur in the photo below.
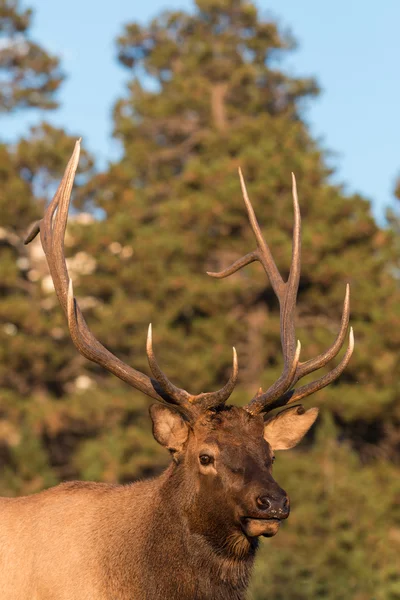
(177, 537)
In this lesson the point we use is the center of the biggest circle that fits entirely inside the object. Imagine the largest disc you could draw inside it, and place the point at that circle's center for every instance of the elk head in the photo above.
(222, 454)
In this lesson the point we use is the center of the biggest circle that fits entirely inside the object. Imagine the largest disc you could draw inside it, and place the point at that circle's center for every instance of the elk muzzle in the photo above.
(271, 507)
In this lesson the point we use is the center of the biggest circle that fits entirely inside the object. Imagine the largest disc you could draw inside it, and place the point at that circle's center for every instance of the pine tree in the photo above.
(36, 366)
(30, 76)
(393, 217)
(206, 96)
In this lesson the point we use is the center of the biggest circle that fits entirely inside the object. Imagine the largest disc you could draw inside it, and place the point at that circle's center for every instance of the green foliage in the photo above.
(29, 315)
(36, 365)
(30, 76)
(393, 217)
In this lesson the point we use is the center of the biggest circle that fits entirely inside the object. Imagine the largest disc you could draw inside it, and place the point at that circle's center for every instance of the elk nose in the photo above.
(275, 507)
(285, 506)
(263, 502)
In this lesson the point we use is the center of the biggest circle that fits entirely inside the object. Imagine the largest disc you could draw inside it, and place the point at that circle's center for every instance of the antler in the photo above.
(281, 391)
(52, 230)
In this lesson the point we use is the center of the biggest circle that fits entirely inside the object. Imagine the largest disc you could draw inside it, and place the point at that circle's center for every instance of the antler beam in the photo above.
(281, 391)
(52, 231)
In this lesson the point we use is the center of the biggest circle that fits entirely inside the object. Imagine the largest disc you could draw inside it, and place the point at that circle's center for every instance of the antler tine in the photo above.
(52, 223)
(262, 254)
(322, 359)
(262, 402)
(209, 400)
(236, 266)
(181, 396)
(286, 293)
(266, 404)
(52, 230)
(292, 285)
(204, 400)
(310, 388)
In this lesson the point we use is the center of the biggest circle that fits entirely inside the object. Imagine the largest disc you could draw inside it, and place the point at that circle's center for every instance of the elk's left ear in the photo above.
(169, 428)
(287, 428)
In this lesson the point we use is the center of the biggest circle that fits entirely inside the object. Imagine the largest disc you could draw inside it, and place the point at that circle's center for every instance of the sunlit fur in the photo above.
(178, 536)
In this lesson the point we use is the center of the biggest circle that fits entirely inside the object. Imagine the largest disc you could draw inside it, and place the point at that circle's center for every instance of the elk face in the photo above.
(226, 456)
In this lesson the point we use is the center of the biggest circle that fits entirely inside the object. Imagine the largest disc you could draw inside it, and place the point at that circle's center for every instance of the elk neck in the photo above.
(203, 540)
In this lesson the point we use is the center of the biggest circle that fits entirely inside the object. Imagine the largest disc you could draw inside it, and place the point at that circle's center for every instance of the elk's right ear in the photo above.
(169, 428)
(286, 429)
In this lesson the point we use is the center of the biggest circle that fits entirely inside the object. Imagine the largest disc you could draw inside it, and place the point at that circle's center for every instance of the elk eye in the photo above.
(206, 459)
(273, 459)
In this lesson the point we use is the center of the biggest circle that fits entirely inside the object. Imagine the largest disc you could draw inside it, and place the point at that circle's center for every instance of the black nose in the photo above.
(263, 502)
(274, 507)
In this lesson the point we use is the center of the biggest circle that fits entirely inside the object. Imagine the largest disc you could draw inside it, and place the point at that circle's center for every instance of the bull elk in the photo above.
(192, 533)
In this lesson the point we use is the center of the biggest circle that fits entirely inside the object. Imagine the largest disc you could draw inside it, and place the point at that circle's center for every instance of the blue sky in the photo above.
(352, 47)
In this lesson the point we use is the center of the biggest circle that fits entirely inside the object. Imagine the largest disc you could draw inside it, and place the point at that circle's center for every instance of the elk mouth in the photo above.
(256, 526)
